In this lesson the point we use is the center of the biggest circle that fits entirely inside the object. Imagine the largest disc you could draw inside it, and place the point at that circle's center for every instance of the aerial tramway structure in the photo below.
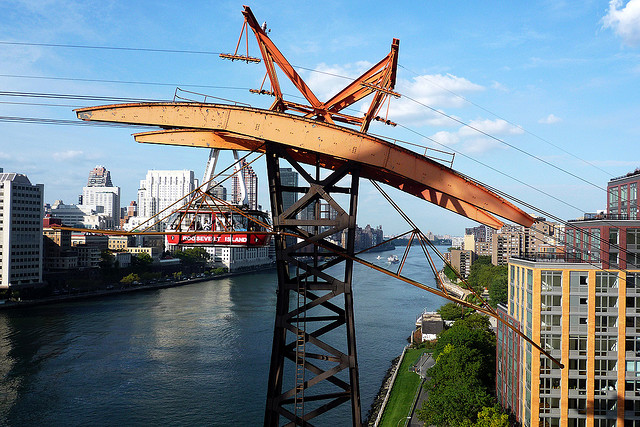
(205, 220)
(309, 375)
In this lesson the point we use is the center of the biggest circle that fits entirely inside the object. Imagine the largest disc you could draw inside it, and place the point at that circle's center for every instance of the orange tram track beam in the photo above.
(307, 141)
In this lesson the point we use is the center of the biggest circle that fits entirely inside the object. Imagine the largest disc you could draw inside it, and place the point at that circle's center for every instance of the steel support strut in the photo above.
(308, 376)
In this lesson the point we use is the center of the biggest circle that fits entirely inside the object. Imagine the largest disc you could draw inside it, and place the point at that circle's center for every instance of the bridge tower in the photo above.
(314, 296)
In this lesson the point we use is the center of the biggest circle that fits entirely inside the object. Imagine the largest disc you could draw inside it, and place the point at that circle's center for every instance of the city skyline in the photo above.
(522, 91)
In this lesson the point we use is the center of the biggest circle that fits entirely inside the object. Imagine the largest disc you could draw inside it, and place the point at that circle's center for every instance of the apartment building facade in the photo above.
(21, 246)
(583, 307)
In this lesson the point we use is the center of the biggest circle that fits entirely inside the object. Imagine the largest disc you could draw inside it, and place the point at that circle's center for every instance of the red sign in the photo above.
(249, 239)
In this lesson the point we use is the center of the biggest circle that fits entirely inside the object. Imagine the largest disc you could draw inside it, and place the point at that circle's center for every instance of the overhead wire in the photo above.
(186, 51)
(131, 49)
(131, 82)
(505, 119)
(63, 122)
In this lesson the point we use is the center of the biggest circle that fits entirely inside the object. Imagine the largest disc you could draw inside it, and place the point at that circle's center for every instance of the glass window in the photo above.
(613, 236)
(595, 244)
(551, 281)
(613, 199)
(578, 281)
(606, 280)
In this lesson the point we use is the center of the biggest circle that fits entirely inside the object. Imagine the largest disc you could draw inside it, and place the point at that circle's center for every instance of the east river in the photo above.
(184, 356)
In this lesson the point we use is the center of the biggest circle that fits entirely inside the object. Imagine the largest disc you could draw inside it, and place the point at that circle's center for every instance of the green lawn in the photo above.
(403, 391)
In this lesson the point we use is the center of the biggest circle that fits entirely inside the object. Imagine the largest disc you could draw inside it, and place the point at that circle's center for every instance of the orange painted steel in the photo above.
(226, 127)
(379, 79)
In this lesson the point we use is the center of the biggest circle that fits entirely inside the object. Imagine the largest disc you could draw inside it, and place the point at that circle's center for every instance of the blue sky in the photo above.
(554, 84)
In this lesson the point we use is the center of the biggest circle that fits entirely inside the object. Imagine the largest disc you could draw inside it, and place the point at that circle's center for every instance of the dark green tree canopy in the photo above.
(461, 382)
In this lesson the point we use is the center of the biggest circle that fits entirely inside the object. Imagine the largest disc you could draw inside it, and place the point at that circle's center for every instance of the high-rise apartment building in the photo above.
(481, 233)
(511, 240)
(585, 317)
(251, 184)
(21, 212)
(161, 189)
(583, 306)
(508, 241)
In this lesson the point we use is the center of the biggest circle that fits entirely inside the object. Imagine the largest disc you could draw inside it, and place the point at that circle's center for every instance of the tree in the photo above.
(128, 280)
(193, 255)
(499, 287)
(492, 416)
(455, 389)
(106, 259)
(462, 380)
(448, 271)
(142, 259)
(451, 311)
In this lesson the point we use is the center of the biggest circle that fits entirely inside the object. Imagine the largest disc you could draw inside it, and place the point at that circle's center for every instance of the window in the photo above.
(601, 406)
(605, 344)
(604, 367)
(549, 320)
(578, 422)
(578, 303)
(579, 404)
(551, 281)
(606, 303)
(632, 279)
(579, 365)
(549, 403)
(606, 280)
(548, 384)
(578, 384)
(613, 199)
(603, 323)
(633, 238)
(595, 244)
(578, 343)
(551, 342)
(613, 236)
(578, 281)
(551, 302)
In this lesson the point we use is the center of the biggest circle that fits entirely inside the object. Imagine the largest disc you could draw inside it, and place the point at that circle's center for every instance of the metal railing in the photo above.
(188, 96)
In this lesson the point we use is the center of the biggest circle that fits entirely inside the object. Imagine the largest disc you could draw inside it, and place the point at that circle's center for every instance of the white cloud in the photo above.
(67, 155)
(550, 119)
(436, 91)
(4, 156)
(470, 139)
(624, 20)
(497, 127)
(331, 79)
(425, 95)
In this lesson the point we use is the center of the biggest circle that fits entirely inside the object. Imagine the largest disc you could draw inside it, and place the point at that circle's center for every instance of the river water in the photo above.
(184, 356)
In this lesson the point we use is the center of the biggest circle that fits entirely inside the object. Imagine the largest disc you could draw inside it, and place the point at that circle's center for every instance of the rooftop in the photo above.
(629, 175)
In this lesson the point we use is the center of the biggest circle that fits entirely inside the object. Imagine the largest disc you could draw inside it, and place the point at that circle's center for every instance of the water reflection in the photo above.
(192, 355)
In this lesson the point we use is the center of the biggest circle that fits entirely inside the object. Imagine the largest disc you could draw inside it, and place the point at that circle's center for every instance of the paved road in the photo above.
(422, 370)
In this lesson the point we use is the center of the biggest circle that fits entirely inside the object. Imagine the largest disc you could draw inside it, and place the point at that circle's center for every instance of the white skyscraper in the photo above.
(21, 212)
(100, 195)
(106, 197)
(161, 189)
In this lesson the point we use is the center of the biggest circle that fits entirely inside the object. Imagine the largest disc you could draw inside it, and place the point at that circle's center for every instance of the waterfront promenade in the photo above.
(452, 288)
